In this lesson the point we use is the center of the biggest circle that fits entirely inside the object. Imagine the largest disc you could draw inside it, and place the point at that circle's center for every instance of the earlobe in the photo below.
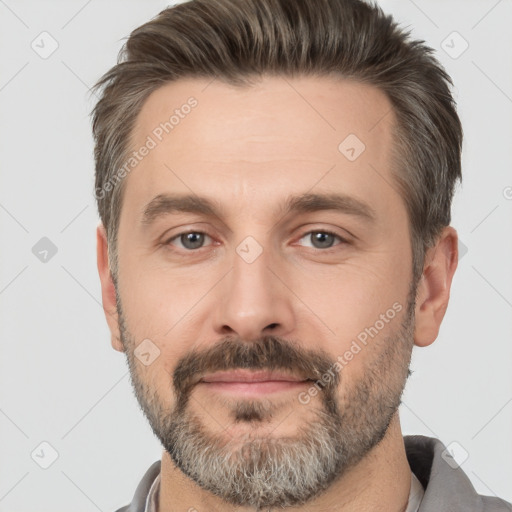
(433, 290)
(108, 292)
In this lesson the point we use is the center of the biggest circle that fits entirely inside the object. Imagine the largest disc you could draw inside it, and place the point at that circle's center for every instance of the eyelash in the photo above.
(328, 250)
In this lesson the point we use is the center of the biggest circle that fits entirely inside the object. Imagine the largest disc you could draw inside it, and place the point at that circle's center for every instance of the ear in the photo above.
(433, 290)
(108, 292)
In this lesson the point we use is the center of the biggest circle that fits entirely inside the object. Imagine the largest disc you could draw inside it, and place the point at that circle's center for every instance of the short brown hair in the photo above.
(239, 40)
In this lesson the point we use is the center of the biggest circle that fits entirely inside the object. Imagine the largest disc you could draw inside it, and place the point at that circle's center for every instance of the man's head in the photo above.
(286, 212)
(236, 41)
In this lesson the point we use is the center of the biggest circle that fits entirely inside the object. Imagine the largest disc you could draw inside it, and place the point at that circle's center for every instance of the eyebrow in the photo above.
(165, 204)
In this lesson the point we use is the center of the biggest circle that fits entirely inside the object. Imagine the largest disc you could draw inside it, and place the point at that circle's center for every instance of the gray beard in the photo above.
(272, 472)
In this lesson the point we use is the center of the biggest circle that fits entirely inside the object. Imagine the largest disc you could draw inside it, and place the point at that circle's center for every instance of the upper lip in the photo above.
(251, 376)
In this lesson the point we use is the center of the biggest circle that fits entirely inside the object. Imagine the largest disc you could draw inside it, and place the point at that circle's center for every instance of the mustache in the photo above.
(267, 353)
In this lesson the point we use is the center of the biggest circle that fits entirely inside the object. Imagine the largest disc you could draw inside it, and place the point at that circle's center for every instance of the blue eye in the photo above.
(322, 239)
(190, 240)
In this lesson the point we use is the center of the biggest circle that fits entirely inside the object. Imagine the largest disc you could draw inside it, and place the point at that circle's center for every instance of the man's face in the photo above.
(251, 287)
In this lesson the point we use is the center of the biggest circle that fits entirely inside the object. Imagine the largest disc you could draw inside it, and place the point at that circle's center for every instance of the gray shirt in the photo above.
(445, 487)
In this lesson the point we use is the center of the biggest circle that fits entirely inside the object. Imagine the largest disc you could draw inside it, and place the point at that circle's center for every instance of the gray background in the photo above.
(60, 380)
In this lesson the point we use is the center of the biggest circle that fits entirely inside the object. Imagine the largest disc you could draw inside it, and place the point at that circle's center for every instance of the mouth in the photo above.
(252, 383)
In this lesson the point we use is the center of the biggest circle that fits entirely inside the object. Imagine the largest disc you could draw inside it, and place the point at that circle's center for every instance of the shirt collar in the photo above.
(152, 499)
(415, 495)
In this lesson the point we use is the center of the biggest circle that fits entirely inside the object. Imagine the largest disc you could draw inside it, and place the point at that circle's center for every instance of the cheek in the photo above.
(156, 379)
(352, 295)
(156, 297)
(357, 306)
(152, 313)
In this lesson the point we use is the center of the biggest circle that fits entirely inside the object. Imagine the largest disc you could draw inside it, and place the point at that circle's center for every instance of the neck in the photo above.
(380, 481)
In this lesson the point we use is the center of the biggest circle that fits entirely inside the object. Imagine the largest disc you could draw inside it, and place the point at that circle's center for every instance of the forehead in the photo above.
(322, 106)
(253, 142)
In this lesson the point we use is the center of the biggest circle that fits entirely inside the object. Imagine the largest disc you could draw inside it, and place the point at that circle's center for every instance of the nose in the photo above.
(254, 300)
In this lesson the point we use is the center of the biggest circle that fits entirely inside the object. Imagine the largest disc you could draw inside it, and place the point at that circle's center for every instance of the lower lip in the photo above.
(254, 388)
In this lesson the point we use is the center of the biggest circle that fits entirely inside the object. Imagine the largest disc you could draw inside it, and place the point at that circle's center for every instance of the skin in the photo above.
(250, 149)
